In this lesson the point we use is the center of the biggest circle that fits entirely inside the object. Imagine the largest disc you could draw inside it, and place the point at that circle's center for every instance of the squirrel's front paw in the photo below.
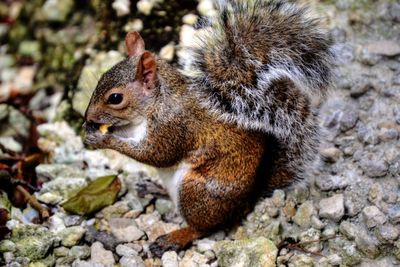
(163, 244)
(96, 139)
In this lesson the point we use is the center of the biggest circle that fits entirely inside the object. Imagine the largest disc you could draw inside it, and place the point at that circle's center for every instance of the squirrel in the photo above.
(237, 116)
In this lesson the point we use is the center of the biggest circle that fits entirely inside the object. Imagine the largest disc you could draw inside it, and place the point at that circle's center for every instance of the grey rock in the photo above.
(387, 232)
(71, 236)
(368, 58)
(331, 154)
(153, 227)
(346, 250)
(395, 11)
(390, 91)
(164, 206)
(311, 239)
(124, 250)
(361, 87)
(61, 252)
(373, 166)
(79, 252)
(331, 182)
(384, 47)
(367, 135)
(108, 239)
(129, 261)
(117, 210)
(304, 213)
(278, 197)
(385, 262)
(349, 229)
(396, 79)
(169, 259)
(301, 260)
(354, 201)
(375, 194)
(396, 113)
(8, 257)
(386, 135)
(80, 263)
(32, 241)
(205, 244)
(72, 220)
(335, 259)
(348, 120)
(52, 171)
(101, 255)
(367, 243)
(125, 230)
(247, 252)
(57, 10)
(394, 213)
(332, 207)
(338, 34)
(317, 223)
(7, 246)
(193, 258)
(373, 216)
(345, 53)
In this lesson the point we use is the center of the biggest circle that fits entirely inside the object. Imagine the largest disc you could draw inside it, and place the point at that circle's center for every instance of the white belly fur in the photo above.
(172, 179)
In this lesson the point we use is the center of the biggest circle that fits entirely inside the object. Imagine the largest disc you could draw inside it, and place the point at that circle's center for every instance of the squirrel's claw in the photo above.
(163, 244)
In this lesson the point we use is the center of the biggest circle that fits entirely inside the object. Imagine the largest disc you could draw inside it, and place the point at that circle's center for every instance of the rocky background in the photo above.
(52, 53)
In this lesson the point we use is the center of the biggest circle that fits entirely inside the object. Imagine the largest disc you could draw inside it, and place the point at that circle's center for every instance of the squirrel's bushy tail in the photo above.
(259, 64)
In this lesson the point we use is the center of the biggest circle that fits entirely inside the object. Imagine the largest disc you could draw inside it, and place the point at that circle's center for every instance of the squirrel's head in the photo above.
(123, 93)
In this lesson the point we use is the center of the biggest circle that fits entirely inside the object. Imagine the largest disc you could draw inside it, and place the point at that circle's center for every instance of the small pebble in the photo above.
(373, 216)
(332, 207)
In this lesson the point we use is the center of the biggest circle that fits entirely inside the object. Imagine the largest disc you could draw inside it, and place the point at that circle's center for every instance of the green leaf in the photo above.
(98, 194)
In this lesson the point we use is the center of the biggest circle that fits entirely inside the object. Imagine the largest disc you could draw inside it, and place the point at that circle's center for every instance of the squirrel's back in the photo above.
(249, 47)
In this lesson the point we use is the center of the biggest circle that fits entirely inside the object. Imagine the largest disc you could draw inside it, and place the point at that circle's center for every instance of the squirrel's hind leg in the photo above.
(208, 200)
(175, 241)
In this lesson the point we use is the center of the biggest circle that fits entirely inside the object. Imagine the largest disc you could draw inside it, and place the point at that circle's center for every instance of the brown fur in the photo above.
(231, 159)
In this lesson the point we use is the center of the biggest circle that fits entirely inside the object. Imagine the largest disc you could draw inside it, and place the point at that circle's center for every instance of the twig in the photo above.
(296, 246)
(44, 213)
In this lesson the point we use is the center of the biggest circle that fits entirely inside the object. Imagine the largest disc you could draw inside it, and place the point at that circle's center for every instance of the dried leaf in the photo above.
(98, 194)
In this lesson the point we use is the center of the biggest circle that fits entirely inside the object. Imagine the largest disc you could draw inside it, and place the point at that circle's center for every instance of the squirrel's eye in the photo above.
(115, 99)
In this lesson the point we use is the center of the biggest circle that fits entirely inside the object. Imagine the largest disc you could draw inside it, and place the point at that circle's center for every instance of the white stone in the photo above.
(49, 198)
(206, 8)
(205, 244)
(125, 229)
(124, 250)
(373, 216)
(332, 207)
(190, 19)
(169, 259)
(144, 6)
(167, 52)
(186, 35)
(131, 261)
(136, 25)
(101, 255)
(122, 7)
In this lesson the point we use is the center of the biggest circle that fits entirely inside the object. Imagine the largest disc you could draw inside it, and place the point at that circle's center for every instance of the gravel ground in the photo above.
(346, 214)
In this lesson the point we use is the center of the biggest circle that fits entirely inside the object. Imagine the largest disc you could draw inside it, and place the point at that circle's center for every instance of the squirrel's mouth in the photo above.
(123, 128)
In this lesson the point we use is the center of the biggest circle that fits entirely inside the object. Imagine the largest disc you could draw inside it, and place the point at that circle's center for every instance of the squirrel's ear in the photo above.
(134, 44)
(146, 71)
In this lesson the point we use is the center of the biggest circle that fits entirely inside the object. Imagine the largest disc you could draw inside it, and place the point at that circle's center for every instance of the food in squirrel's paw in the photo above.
(104, 128)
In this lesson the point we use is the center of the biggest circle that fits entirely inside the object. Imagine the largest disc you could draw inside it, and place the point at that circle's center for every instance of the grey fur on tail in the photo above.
(259, 64)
